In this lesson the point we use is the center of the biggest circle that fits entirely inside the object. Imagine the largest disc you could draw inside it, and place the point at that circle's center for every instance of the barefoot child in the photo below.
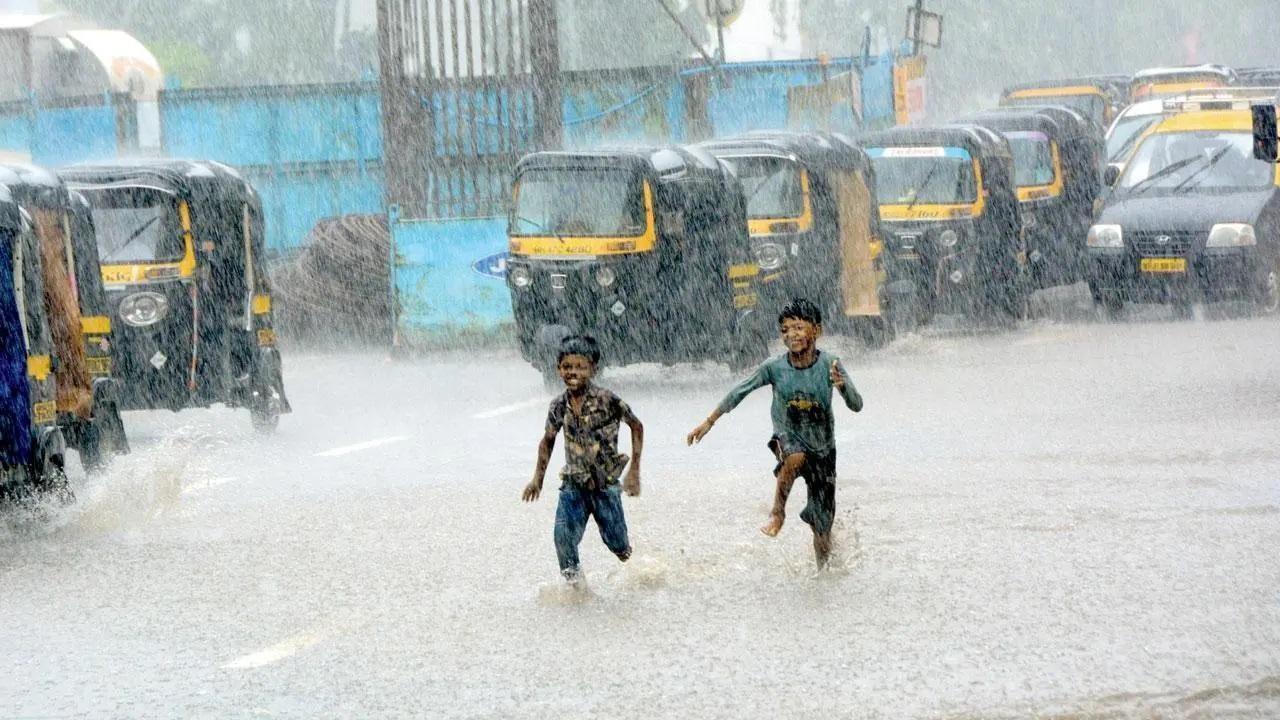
(589, 416)
(803, 427)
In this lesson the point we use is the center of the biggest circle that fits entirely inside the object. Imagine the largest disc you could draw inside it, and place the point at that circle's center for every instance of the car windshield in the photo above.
(578, 202)
(910, 175)
(1090, 105)
(1204, 160)
(772, 186)
(137, 225)
(1032, 158)
(1126, 133)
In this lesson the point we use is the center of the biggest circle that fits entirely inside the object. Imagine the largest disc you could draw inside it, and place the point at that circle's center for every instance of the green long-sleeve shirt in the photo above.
(801, 409)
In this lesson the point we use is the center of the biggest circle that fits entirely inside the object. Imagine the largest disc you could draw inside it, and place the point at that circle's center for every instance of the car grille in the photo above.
(1164, 244)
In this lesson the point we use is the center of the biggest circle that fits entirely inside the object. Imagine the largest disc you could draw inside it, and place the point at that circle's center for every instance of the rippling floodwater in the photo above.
(1068, 520)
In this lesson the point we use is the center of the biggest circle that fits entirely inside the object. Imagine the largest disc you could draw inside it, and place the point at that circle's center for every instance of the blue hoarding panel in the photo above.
(449, 274)
(75, 134)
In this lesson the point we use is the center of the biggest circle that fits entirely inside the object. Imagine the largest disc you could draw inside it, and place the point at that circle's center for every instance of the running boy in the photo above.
(589, 416)
(803, 427)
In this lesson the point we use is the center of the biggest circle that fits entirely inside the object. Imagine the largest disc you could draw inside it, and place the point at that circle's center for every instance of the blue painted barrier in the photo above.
(449, 275)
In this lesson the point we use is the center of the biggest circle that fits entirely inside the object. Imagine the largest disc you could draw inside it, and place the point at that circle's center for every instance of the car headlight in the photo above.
(1232, 235)
(1105, 236)
(520, 277)
(949, 238)
(606, 276)
(770, 256)
(143, 309)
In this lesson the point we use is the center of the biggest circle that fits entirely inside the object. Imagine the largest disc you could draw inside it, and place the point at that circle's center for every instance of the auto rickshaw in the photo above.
(1098, 97)
(32, 447)
(814, 225)
(76, 306)
(951, 220)
(181, 246)
(1165, 82)
(634, 247)
(1057, 161)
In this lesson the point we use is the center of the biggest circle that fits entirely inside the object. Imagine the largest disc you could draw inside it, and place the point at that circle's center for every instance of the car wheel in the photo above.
(52, 482)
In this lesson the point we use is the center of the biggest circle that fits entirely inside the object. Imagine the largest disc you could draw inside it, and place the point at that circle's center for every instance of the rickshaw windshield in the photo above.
(137, 225)
(1126, 133)
(1090, 105)
(1032, 158)
(1198, 160)
(772, 186)
(578, 203)
(929, 175)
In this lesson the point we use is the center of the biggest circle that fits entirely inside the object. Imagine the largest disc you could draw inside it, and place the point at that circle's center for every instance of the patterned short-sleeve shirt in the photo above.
(591, 437)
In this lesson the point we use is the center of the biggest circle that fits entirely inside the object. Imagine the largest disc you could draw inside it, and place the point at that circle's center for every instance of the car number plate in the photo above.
(1164, 265)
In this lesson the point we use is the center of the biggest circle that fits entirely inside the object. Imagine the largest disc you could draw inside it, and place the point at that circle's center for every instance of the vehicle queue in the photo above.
(1143, 187)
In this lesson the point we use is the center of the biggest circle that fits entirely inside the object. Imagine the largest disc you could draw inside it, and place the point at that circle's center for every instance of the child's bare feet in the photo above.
(774, 526)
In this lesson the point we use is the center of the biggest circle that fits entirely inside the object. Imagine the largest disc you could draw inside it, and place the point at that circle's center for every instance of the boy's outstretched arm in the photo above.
(757, 380)
(631, 485)
(534, 488)
(841, 381)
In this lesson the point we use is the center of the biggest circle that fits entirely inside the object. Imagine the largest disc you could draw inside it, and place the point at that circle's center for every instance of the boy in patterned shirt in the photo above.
(589, 416)
(803, 440)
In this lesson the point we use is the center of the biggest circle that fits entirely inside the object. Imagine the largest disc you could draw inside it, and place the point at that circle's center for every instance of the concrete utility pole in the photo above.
(544, 54)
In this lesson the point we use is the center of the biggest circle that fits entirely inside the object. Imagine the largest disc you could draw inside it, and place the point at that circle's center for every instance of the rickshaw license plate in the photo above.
(1163, 265)
(266, 337)
(99, 365)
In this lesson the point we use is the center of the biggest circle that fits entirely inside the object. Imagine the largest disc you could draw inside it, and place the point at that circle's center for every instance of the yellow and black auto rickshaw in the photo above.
(1098, 97)
(181, 246)
(76, 306)
(1057, 167)
(814, 225)
(951, 221)
(632, 246)
(32, 446)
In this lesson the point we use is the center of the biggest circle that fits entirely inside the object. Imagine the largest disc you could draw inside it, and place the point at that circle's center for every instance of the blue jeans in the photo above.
(576, 505)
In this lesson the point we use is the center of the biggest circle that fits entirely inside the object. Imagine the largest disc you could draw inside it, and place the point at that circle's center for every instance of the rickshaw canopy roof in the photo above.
(979, 141)
(660, 163)
(812, 151)
(184, 178)
(1114, 85)
(34, 186)
(1060, 126)
(10, 211)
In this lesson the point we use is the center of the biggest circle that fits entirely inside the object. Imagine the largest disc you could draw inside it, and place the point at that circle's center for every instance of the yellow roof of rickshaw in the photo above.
(1056, 91)
(1229, 120)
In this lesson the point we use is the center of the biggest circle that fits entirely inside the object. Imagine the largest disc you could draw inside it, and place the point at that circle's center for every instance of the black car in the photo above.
(1194, 217)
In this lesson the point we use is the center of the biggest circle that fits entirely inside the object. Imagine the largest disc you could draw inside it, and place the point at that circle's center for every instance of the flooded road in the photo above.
(1066, 520)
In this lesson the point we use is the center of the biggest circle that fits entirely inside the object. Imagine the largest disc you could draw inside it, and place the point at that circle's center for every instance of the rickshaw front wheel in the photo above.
(265, 411)
(103, 439)
(52, 482)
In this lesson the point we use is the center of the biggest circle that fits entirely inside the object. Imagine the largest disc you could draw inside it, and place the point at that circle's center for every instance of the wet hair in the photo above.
(800, 309)
(583, 345)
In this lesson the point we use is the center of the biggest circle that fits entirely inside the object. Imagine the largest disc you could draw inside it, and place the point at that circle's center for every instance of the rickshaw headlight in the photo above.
(143, 309)
(949, 238)
(770, 256)
(606, 276)
(520, 277)
(1105, 236)
(1232, 235)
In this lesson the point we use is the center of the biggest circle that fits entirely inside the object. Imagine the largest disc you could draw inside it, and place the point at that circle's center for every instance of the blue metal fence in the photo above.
(73, 130)
(312, 151)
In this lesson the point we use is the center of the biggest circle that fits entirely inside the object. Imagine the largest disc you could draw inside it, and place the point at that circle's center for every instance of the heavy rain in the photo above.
(455, 358)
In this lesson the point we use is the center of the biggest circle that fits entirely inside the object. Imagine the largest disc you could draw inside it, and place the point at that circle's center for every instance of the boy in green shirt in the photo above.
(803, 424)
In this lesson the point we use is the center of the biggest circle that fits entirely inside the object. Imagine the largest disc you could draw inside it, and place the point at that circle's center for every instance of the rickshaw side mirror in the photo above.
(1265, 144)
(1111, 175)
